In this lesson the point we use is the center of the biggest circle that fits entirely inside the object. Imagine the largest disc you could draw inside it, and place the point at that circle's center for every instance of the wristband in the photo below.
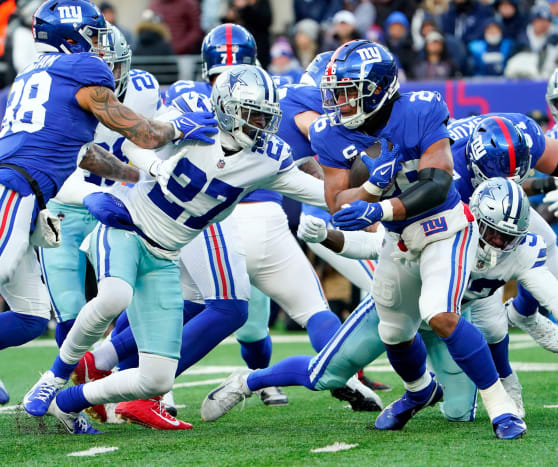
(372, 189)
(387, 208)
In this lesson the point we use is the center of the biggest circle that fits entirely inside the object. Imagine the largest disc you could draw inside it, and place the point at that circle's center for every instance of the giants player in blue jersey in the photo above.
(53, 108)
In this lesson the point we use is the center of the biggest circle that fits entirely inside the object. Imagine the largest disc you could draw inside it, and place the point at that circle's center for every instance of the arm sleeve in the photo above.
(300, 186)
(362, 245)
(143, 159)
(542, 284)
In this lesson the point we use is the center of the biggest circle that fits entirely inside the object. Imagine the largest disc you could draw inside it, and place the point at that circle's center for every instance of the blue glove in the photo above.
(384, 168)
(358, 215)
(199, 126)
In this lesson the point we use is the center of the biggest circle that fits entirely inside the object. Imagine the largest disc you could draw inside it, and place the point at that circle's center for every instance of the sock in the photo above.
(409, 363)
(130, 362)
(205, 330)
(121, 323)
(106, 357)
(256, 354)
(191, 309)
(62, 330)
(61, 369)
(19, 328)
(469, 349)
(72, 400)
(321, 327)
(499, 353)
(292, 371)
(525, 303)
(124, 344)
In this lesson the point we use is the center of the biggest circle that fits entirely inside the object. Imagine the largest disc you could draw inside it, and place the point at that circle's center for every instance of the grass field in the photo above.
(260, 435)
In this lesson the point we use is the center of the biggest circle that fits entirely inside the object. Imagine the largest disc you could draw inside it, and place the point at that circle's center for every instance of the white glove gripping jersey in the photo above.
(143, 97)
(527, 265)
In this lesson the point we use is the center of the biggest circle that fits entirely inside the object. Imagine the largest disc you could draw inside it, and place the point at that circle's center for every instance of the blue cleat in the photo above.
(75, 423)
(508, 426)
(4, 396)
(38, 399)
(399, 412)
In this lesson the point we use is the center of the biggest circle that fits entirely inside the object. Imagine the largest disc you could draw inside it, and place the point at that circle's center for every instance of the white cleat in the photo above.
(273, 396)
(223, 398)
(540, 328)
(75, 423)
(112, 417)
(513, 388)
(168, 402)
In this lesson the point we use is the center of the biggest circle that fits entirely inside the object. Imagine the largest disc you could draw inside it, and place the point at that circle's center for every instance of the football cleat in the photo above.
(361, 397)
(398, 413)
(85, 372)
(273, 396)
(540, 328)
(223, 398)
(508, 426)
(38, 399)
(168, 402)
(112, 417)
(4, 396)
(374, 385)
(513, 388)
(150, 413)
(75, 423)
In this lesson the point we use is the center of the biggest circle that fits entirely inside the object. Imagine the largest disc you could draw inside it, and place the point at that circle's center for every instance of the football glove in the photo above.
(162, 170)
(311, 229)
(358, 215)
(199, 126)
(383, 169)
(551, 198)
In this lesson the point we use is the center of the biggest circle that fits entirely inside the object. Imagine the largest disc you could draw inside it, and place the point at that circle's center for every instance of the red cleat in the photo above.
(85, 372)
(150, 413)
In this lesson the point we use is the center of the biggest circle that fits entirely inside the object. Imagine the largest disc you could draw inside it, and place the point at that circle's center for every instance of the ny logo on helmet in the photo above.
(225, 50)
(370, 53)
(70, 14)
(477, 148)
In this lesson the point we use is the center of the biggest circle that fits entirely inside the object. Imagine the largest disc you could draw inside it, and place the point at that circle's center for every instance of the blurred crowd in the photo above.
(432, 39)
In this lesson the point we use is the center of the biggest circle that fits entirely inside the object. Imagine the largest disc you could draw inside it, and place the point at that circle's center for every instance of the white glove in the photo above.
(551, 198)
(311, 229)
(162, 170)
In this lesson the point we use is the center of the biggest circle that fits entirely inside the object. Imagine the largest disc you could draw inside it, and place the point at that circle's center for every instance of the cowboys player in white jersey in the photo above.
(134, 249)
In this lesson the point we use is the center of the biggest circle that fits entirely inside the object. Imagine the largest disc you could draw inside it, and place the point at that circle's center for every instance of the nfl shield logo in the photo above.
(221, 163)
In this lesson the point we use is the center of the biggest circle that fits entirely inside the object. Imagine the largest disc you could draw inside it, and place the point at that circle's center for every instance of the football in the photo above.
(359, 172)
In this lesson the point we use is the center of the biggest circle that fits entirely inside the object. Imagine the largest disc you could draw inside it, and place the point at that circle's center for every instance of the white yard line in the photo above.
(93, 451)
(335, 447)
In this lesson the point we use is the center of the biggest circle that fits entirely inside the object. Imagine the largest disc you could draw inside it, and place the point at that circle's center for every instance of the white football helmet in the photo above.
(501, 208)
(119, 61)
(552, 93)
(246, 103)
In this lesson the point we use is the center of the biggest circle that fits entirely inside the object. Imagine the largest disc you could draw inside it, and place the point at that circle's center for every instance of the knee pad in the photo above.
(156, 374)
(114, 294)
(392, 335)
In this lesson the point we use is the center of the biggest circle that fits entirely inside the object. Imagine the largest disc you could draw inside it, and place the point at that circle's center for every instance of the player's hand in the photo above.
(358, 215)
(199, 126)
(311, 229)
(384, 168)
(162, 171)
(551, 198)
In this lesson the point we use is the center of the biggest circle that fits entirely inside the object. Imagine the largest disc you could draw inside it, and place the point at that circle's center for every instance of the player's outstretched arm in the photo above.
(104, 105)
(107, 165)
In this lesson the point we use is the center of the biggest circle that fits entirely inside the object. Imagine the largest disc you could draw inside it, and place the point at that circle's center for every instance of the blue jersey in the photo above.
(417, 121)
(44, 127)
(459, 132)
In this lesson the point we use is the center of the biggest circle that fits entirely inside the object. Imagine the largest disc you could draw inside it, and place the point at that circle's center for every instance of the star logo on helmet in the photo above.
(236, 78)
(488, 191)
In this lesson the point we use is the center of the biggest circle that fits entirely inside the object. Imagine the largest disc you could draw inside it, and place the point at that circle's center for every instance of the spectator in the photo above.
(284, 63)
(398, 40)
(541, 118)
(109, 13)
(553, 4)
(254, 15)
(365, 14)
(385, 7)
(541, 31)
(465, 19)
(491, 53)
(318, 10)
(434, 62)
(431, 10)
(183, 18)
(153, 43)
(211, 13)
(513, 21)
(344, 30)
(307, 41)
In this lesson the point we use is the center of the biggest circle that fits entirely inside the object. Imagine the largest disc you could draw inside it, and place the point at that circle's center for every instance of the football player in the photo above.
(53, 108)
(134, 249)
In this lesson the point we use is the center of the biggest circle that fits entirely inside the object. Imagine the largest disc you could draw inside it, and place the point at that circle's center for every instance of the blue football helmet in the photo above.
(498, 148)
(315, 70)
(225, 45)
(70, 26)
(501, 208)
(359, 79)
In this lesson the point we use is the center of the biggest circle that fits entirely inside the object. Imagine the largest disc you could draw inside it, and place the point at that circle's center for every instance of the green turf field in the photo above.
(260, 435)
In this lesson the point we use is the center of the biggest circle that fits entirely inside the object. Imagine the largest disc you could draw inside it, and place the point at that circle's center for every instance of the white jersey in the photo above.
(527, 265)
(143, 97)
(206, 185)
(552, 132)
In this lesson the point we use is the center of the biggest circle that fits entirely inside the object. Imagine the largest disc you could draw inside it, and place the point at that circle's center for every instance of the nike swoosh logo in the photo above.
(170, 422)
(212, 393)
(385, 171)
